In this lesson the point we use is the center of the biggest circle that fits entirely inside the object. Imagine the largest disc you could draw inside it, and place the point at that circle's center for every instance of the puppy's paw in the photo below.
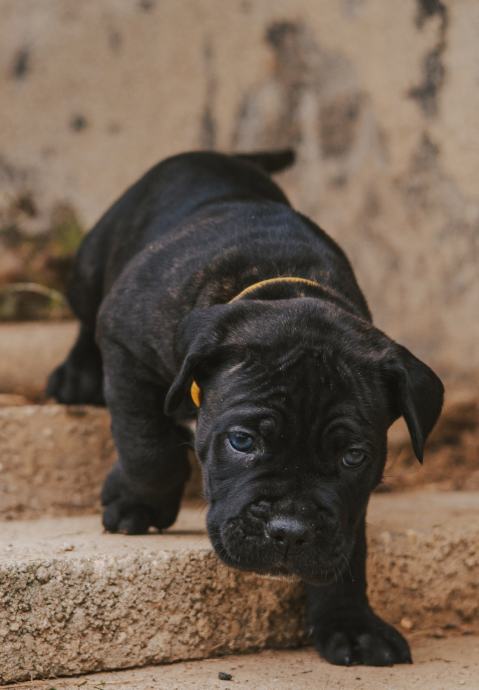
(125, 512)
(71, 385)
(361, 638)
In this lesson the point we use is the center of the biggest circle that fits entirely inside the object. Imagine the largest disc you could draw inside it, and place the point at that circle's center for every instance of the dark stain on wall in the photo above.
(423, 175)
(21, 63)
(25, 203)
(115, 40)
(292, 48)
(304, 78)
(338, 124)
(11, 174)
(427, 153)
(208, 121)
(433, 70)
(146, 5)
(292, 51)
(427, 9)
(78, 122)
(114, 127)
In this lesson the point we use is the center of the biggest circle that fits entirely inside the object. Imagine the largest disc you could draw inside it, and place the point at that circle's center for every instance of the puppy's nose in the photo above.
(288, 531)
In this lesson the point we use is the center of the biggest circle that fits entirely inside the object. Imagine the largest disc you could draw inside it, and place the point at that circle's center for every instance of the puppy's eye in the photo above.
(354, 457)
(241, 441)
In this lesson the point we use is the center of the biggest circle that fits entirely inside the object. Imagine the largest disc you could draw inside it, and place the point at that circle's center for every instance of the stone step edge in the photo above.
(95, 602)
(53, 458)
(449, 663)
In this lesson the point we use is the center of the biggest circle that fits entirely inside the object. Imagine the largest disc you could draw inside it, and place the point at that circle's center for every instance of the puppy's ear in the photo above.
(417, 395)
(199, 345)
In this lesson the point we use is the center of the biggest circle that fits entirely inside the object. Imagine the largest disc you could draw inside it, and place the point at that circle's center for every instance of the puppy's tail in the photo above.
(270, 161)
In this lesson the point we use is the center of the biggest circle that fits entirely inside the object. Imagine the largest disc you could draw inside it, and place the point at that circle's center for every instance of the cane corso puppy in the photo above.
(202, 294)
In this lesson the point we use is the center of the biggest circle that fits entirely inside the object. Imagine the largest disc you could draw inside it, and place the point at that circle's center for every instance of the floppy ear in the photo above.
(417, 395)
(198, 344)
(181, 385)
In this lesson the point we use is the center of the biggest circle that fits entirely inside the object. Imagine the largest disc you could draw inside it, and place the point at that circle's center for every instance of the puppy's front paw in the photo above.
(361, 637)
(130, 513)
(72, 385)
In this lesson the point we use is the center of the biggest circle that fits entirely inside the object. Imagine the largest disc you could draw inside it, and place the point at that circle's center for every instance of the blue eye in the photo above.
(354, 457)
(240, 441)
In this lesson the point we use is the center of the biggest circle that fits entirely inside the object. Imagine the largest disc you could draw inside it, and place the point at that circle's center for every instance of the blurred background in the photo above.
(379, 99)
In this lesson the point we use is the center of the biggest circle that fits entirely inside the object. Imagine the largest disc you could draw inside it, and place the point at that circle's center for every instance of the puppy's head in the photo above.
(296, 400)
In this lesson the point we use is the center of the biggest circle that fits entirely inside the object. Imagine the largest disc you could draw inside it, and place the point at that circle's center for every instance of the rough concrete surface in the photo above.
(451, 664)
(423, 560)
(74, 600)
(54, 458)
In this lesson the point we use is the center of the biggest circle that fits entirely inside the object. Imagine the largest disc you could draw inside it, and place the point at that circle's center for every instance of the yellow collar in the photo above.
(272, 281)
(195, 390)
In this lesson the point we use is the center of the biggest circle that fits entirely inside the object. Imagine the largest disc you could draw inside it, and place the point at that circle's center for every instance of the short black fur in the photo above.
(293, 372)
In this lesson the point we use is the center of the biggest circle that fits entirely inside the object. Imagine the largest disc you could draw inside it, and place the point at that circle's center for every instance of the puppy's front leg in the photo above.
(345, 629)
(145, 486)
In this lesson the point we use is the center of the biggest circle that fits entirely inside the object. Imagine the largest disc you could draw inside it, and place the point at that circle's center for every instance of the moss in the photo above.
(31, 301)
(66, 231)
(36, 289)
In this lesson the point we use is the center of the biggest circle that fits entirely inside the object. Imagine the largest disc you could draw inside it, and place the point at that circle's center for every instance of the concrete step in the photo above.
(53, 458)
(74, 600)
(29, 351)
(439, 664)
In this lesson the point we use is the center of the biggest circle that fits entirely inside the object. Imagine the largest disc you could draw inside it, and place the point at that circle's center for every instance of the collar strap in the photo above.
(273, 281)
(195, 390)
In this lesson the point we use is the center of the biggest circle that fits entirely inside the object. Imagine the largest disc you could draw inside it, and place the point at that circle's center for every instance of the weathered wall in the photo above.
(380, 99)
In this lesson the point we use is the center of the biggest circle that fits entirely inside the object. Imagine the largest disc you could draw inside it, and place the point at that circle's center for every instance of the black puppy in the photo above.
(209, 296)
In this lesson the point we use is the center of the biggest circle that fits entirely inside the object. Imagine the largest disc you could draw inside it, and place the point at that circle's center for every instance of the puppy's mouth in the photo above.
(253, 554)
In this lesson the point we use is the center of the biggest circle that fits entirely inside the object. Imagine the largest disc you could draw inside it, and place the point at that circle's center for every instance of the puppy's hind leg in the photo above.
(79, 380)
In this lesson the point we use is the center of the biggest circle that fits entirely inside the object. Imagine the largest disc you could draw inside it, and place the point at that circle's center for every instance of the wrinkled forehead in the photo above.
(308, 381)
